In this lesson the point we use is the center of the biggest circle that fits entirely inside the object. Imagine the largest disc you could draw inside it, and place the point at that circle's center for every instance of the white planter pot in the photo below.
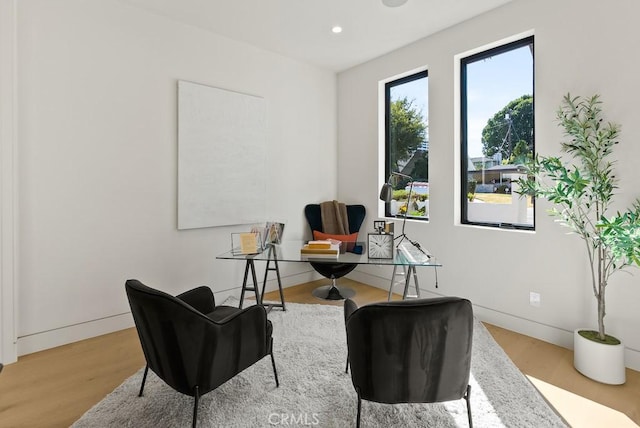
(598, 361)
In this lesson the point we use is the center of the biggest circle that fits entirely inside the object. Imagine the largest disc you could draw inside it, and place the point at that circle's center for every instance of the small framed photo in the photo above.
(246, 243)
(378, 225)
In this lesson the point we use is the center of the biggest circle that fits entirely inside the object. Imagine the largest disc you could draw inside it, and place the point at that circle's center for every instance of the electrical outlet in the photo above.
(535, 299)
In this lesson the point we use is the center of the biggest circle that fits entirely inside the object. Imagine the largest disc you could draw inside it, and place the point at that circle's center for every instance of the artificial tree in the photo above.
(582, 192)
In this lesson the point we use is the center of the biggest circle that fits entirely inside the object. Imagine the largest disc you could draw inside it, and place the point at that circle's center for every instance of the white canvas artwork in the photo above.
(221, 157)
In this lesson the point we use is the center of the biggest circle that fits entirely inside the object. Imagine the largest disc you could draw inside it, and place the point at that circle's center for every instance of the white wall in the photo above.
(97, 102)
(8, 182)
(582, 47)
(96, 178)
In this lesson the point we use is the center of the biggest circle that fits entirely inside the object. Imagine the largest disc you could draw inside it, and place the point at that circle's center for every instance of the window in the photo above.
(407, 145)
(497, 134)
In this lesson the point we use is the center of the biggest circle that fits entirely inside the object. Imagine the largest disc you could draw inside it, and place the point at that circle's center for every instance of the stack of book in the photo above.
(325, 249)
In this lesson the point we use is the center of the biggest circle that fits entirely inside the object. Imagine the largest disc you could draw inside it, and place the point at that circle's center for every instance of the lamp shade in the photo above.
(386, 192)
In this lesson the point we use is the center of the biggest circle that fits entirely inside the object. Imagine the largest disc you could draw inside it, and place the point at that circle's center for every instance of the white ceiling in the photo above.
(301, 29)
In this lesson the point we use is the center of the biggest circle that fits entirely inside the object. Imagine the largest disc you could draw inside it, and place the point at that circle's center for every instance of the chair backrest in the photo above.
(412, 351)
(355, 214)
(169, 332)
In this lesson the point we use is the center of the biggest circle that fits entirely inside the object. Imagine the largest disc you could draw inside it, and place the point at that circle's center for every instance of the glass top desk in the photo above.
(289, 251)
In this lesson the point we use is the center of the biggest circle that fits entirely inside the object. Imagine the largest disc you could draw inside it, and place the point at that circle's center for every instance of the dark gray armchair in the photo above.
(411, 351)
(192, 344)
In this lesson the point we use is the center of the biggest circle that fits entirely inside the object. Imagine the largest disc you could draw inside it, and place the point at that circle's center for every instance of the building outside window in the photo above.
(407, 145)
(497, 134)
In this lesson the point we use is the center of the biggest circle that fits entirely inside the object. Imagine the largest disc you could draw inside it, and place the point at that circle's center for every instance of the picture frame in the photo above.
(246, 243)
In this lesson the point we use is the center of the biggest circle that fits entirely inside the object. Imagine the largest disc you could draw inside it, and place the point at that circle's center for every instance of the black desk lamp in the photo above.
(386, 194)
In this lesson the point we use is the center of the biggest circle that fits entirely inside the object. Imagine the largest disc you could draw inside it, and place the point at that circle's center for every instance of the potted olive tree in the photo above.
(581, 192)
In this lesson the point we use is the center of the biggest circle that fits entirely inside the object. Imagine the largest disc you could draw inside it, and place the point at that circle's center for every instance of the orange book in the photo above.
(306, 250)
(319, 244)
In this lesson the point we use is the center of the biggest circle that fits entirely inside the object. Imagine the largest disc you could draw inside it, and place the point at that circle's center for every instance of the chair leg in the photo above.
(346, 370)
(467, 398)
(144, 379)
(359, 409)
(273, 363)
(196, 397)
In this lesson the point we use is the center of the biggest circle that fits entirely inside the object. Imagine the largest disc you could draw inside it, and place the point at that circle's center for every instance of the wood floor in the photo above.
(53, 388)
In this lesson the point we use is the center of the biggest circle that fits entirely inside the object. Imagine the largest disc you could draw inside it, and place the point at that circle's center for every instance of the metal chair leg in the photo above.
(196, 398)
(144, 379)
(467, 397)
(273, 363)
(359, 409)
(346, 369)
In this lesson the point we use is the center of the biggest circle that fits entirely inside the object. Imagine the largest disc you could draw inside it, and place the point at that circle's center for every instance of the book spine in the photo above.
(318, 251)
(319, 256)
(319, 246)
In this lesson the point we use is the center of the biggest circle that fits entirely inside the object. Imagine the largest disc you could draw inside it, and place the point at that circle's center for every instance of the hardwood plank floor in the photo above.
(53, 388)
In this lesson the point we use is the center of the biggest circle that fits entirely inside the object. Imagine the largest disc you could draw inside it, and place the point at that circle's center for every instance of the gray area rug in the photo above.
(310, 352)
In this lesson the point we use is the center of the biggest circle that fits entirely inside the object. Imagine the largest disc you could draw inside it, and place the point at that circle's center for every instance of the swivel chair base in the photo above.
(331, 292)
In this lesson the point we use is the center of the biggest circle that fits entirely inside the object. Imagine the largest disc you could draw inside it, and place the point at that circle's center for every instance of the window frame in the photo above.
(464, 157)
(387, 133)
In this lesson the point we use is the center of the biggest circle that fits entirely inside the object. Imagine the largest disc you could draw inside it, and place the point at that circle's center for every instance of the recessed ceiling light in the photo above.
(393, 3)
(336, 29)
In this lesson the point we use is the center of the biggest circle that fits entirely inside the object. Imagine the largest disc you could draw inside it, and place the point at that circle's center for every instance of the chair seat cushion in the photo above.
(269, 329)
(222, 311)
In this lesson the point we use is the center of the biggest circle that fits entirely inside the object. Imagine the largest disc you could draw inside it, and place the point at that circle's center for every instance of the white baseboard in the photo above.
(65, 335)
(548, 333)
(632, 359)
(291, 280)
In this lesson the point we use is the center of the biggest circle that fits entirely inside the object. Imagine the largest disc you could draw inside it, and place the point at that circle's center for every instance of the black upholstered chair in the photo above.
(411, 351)
(356, 215)
(192, 344)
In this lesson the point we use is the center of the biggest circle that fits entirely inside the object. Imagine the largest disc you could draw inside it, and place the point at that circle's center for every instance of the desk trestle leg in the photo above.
(404, 277)
(250, 267)
(264, 285)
